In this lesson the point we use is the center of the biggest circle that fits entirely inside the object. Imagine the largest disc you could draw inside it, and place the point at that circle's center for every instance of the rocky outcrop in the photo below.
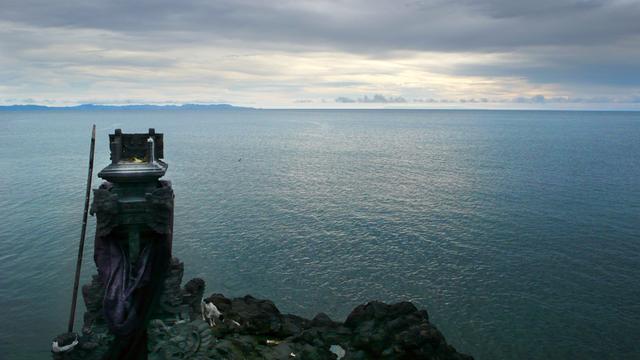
(190, 327)
(253, 328)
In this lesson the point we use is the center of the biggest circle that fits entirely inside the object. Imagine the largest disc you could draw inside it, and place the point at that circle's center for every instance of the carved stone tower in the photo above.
(134, 211)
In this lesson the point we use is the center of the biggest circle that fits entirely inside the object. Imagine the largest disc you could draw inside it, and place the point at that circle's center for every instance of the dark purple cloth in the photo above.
(131, 289)
(121, 281)
(129, 300)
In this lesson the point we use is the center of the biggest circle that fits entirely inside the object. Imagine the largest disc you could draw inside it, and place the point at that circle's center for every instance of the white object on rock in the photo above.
(210, 312)
(338, 350)
(58, 349)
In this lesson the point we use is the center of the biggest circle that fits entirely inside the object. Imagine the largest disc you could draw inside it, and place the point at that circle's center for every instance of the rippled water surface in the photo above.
(518, 231)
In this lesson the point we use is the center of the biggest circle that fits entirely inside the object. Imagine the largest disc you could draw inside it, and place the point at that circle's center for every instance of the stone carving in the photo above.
(157, 209)
(182, 340)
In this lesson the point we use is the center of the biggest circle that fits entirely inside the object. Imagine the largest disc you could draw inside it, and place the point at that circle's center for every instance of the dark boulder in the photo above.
(396, 331)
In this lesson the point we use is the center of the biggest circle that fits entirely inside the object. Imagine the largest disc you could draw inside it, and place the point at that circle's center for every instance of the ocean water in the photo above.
(519, 231)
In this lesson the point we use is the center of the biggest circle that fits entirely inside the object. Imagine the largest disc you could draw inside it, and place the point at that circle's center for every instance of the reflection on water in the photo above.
(517, 230)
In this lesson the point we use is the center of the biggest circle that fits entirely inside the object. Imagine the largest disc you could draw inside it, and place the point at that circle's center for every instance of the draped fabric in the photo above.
(131, 288)
(123, 280)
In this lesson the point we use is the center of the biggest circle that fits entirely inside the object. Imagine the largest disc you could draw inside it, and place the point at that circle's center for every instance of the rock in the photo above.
(222, 303)
(92, 293)
(258, 317)
(397, 331)
(250, 328)
(376, 310)
(356, 355)
(291, 325)
(323, 320)
(192, 296)
(171, 297)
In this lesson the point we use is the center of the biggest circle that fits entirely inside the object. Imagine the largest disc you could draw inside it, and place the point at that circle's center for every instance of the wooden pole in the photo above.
(74, 296)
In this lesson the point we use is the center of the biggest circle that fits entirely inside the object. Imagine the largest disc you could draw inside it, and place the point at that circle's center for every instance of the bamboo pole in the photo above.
(76, 282)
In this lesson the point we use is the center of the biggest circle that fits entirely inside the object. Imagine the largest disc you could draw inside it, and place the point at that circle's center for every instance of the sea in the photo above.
(518, 231)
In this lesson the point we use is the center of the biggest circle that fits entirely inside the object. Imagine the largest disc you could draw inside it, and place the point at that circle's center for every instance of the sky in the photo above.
(544, 54)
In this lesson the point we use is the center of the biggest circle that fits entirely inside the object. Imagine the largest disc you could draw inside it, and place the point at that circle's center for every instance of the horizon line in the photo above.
(227, 106)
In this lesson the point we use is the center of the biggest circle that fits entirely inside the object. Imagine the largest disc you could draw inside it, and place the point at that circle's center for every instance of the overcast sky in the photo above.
(323, 54)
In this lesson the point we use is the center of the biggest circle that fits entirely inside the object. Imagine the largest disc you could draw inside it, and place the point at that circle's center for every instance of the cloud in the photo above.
(345, 100)
(610, 65)
(271, 53)
(541, 99)
(375, 99)
(536, 99)
(361, 25)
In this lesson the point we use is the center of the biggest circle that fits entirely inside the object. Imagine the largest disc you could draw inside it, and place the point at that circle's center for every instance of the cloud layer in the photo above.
(299, 53)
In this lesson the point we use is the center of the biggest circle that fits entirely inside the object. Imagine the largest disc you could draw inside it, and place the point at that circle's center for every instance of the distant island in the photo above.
(91, 107)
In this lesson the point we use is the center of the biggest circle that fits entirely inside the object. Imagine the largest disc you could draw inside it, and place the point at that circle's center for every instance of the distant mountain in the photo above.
(91, 107)
(24, 107)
